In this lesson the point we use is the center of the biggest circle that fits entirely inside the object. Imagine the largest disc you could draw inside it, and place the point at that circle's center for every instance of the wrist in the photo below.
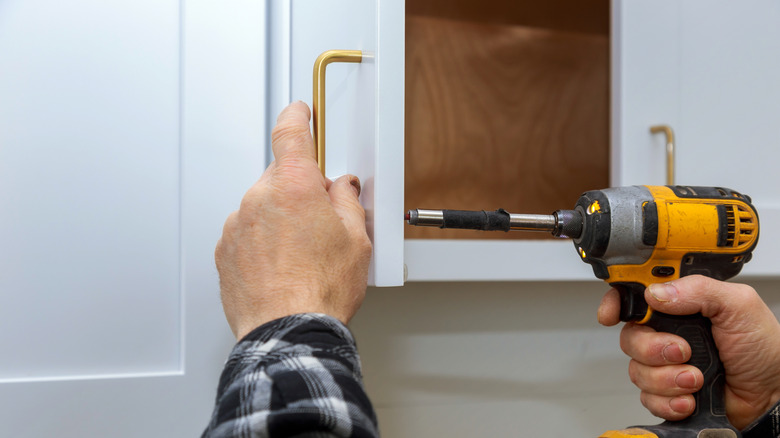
(251, 321)
(765, 425)
(290, 324)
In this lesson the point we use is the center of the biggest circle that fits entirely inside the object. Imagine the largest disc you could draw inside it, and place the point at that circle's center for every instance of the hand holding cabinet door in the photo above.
(298, 243)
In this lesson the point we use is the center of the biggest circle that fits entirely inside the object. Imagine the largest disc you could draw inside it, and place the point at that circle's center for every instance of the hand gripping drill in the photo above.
(638, 235)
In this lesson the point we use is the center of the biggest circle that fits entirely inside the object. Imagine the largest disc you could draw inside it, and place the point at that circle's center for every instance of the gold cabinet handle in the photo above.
(318, 101)
(667, 130)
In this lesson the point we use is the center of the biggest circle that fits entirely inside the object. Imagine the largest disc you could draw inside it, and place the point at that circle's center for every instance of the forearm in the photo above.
(295, 375)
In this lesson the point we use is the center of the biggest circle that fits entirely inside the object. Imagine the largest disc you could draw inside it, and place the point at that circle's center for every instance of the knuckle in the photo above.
(656, 405)
(691, 285)
(289, 131)
(626, 338)
(253, 198)
(228, 227)
(297, 179)
(746, 294)
(678, 407)
(631, 341)
(364, 245)
(633, 373)
(218, 251)
(295, 137)
(643, 398)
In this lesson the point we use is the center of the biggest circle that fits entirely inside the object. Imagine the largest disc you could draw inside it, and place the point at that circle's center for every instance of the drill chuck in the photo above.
(569, 223)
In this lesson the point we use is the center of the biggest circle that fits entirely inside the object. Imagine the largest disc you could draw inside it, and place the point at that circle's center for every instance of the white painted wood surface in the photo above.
(89, 181)
(645, 88)
(709, 70)
(128, 132)
(729, 100)
(364, 104)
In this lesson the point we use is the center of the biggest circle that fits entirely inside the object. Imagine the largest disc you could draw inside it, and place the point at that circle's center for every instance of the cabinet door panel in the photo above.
(90, 187)
(364, 105)
(709, 71)
(645, 90)
(730, 107)
(120, 158)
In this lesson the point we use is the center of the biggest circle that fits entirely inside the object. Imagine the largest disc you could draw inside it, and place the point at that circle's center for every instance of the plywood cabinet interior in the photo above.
(507, 106)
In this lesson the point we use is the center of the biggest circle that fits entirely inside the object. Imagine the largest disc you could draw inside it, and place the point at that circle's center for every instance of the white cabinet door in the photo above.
(710, 71)
(645, 88)
(730, 108)
(128, 131)
(364, 104)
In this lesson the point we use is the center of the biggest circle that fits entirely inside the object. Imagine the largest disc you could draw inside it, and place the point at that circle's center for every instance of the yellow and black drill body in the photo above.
(638, 235)
(635, 236)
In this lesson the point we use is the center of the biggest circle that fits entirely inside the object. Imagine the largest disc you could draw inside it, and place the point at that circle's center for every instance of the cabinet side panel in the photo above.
(89, 184)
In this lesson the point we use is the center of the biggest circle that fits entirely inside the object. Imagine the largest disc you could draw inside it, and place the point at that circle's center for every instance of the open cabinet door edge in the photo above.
(386, 220)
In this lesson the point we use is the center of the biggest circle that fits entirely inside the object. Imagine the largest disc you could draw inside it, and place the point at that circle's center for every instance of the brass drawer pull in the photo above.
(318, 101)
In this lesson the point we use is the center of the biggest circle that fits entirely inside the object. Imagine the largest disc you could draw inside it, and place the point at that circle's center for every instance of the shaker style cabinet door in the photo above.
(730, 108)
(363, 102)
(128, 132)
(709, 71)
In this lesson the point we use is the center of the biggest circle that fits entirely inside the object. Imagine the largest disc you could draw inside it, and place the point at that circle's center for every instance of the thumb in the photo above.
(344, 194)
(698, 294)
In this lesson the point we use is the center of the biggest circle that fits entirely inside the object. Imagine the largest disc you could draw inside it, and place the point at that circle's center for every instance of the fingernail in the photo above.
(672, 353)
(664, 292)
(355, 183)
(686, 379)
(680, 404)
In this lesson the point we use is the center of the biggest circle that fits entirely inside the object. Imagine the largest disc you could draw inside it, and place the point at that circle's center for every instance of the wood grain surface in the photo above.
(588, 16)
(503, 116)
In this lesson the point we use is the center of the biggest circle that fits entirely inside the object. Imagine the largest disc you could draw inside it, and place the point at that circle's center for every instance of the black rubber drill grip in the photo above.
(710, 410)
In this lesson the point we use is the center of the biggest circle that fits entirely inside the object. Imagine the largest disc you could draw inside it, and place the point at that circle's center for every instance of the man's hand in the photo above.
(745, 331)
(298, 242)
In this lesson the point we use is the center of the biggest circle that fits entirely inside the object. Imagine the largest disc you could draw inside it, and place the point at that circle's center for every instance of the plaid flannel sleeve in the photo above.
(765, 426)
(295, 376)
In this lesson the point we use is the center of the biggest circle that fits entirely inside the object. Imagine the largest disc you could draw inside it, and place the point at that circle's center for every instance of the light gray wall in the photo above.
(498, 359)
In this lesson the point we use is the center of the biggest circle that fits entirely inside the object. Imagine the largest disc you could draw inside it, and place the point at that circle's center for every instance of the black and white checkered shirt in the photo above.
(295, 376)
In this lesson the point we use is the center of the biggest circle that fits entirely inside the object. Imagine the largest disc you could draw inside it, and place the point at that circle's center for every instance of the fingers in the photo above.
(696, 293)
(609, 310)
(669, 408)
(653, 348)
(291, 138)
(666, 381)
(658, 368)
(685, 296)
(344, 193)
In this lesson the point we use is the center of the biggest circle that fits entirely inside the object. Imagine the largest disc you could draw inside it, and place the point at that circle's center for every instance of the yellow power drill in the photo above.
(638, 235)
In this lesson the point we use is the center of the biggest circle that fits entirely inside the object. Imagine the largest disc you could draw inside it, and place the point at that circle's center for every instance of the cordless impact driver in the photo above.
(638, 235)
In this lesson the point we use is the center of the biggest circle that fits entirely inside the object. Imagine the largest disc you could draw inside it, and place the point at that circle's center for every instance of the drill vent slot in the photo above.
(740, 224)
